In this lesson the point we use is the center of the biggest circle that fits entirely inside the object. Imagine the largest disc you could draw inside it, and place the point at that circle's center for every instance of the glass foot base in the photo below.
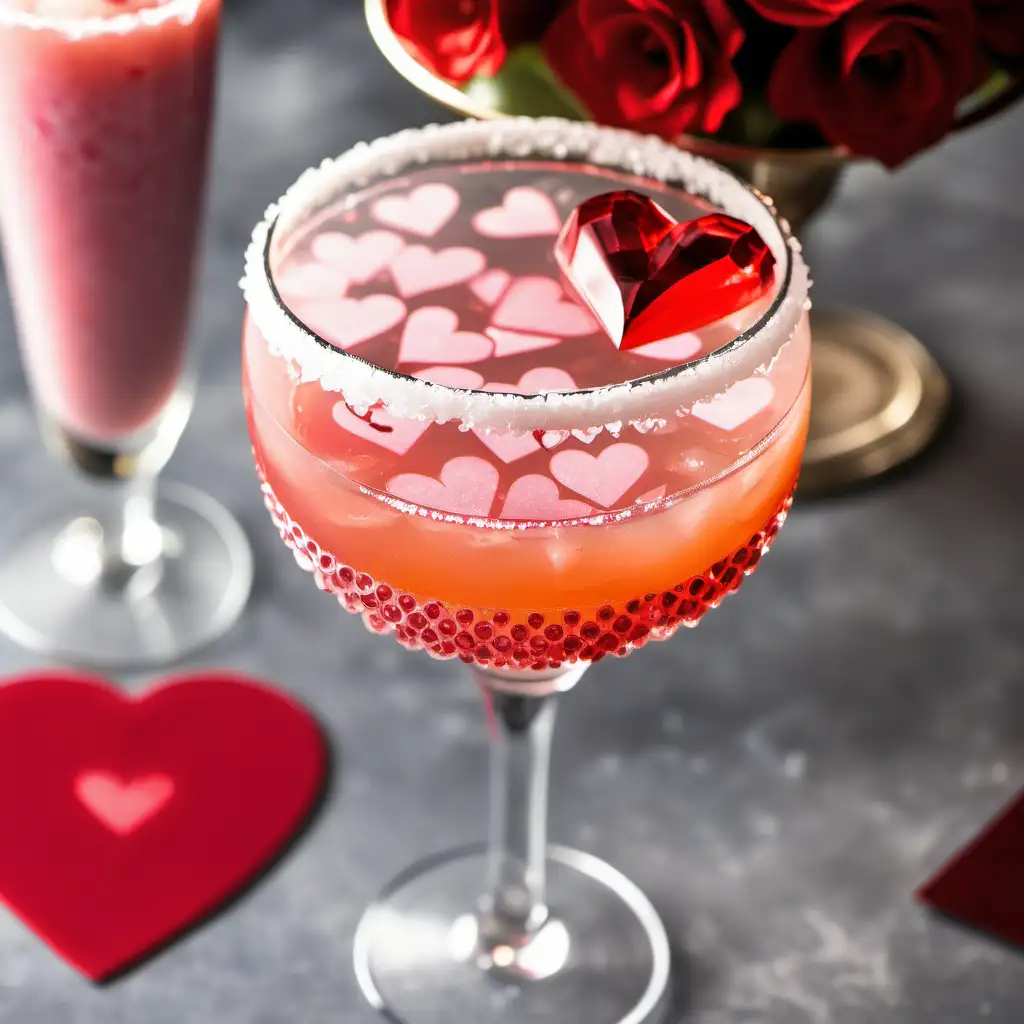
(602, 957)
(57, 597)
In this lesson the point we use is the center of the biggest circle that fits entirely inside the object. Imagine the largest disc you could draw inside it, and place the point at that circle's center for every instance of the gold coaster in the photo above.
(879, 399)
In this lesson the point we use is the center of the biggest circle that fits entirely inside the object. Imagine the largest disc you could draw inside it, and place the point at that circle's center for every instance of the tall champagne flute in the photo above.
(105, 109)
(451, 446)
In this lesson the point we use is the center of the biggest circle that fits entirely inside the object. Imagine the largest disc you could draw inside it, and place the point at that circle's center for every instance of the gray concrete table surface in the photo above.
(779, 780)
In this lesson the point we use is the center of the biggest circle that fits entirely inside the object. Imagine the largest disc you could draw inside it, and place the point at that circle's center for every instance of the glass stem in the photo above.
(134, 538)
(522, 721)
(520, 761)
(119, 551)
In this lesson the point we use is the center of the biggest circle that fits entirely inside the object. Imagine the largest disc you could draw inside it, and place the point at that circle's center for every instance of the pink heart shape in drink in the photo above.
(418, 270)
(551, 439)
(424, 211)
(525, 213)
(359, 259)
(432, 336)
(349, 322)
(491, 285)
(311, 280)
(123, 805)
(452, 377)
(535, 496)
(671, 350)
(467, 487)
(512, 343)
(381, 428)
(508, 446)
(538, 304)
(541, 379)
(603, 478)
(742, 402)
(399, 435)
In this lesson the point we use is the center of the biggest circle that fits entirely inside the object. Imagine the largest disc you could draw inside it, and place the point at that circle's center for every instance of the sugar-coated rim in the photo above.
(91, 25)
(643, 402)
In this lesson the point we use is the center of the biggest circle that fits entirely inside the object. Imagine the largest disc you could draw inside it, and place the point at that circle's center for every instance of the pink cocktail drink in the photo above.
(105, 112)
(104, 123)
(513, 549)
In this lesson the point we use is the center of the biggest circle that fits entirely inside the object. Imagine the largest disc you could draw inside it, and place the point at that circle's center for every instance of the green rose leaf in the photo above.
(525, 85)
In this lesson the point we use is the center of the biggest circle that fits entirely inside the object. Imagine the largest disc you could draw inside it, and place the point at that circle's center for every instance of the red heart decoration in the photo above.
(981, 884)
(646, 277)
(128, 818)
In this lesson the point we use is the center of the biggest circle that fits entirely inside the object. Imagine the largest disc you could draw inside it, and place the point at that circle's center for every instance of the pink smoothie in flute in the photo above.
(104, 120)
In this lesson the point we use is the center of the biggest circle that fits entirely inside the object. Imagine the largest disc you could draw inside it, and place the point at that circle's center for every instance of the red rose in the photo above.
(662, 66)
(1001, 27)
(524, 21)
(455, 39)
(802, 12)
(884, 80)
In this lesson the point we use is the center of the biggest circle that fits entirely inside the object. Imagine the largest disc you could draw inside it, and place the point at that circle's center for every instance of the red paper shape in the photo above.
(981, 885)
(646, 277)
(126, 819)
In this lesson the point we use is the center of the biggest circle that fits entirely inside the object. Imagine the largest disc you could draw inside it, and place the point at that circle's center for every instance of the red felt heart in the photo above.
(646, 277)
(126, 819)
(981, 884)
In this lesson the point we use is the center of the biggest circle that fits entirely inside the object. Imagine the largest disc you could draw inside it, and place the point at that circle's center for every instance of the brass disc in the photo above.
(879, 399)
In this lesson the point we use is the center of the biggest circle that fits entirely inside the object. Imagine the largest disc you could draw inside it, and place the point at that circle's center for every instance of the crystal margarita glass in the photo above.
(450, 445)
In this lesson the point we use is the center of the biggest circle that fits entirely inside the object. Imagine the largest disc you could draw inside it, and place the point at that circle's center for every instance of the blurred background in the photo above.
(779, 780)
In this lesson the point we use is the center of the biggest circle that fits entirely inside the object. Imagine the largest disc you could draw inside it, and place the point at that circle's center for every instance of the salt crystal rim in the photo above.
(89, 26)
(643, 401)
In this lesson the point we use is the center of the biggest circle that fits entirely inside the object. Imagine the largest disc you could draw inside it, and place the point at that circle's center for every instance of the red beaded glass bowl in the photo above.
(497, 639)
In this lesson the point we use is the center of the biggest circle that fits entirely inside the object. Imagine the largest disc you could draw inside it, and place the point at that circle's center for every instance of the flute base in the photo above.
(60, 596)
(602, 955)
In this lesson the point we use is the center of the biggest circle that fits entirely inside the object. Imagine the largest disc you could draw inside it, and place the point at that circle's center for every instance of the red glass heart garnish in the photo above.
(646, 277)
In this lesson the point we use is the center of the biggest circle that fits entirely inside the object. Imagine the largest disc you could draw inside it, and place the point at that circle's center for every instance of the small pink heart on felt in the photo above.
(123, 805)
(670, 350)
(603, 478)
(311, 280)
(349, 322)
(432, 336)
(452, 377)
(418, 270)
(525, 213)
(742, 402)
(512, 343)
(359, 259)
(423, 211)
(382, 429)
(538, 304)
(467, 486)
(490, 285)
(535, 496)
